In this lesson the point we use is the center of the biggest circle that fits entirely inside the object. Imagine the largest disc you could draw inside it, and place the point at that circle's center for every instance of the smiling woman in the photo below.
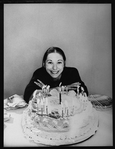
(54, 65)
(53, 73)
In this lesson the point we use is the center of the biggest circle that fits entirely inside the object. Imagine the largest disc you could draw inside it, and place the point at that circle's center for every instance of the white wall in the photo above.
(83, 31)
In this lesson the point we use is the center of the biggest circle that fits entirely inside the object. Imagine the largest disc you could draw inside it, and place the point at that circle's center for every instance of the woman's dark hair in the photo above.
(53, 50)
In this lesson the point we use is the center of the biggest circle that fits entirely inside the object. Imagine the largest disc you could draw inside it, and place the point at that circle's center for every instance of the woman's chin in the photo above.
(55, 76)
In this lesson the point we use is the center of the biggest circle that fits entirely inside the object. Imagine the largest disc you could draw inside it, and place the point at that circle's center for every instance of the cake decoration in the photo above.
(59, 116)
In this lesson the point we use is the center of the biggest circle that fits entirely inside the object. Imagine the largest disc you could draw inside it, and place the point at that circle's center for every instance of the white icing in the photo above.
(76, 118)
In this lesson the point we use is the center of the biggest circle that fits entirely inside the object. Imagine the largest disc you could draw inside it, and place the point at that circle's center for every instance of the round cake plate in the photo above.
(77, 140)
(80, 140)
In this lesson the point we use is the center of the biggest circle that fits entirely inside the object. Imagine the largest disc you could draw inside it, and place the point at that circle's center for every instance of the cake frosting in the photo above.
(59, 117)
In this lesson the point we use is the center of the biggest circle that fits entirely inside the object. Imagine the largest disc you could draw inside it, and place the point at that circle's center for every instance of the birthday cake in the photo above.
(59, 117)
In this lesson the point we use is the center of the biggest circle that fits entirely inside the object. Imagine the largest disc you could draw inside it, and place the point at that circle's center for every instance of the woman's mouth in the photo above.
(54, 72)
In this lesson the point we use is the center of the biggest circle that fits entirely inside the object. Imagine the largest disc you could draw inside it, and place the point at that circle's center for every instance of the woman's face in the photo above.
(54, 65)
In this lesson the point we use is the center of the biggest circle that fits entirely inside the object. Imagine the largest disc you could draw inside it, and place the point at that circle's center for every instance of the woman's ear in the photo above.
(43, 64)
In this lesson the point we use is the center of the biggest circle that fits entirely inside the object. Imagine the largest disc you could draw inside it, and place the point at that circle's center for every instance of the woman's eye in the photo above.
(49, 62)
(59, 62)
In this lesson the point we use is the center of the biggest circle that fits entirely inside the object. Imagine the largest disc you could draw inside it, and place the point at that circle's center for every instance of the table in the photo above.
(14, 137)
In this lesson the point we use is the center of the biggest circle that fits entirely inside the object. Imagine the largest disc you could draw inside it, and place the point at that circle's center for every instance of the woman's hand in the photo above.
(45, 88)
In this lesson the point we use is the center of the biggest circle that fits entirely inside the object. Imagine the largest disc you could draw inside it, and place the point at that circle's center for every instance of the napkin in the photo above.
(13, 102)
(100, 102)
(7, 116)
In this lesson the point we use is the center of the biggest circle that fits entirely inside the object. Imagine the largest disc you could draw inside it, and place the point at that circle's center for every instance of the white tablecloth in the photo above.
(13, 133)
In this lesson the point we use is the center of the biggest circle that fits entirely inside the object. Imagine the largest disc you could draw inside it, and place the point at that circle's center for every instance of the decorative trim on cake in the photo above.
(59, 117)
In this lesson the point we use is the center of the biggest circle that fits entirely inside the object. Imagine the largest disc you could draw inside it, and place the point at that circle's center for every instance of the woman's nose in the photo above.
(54, 66)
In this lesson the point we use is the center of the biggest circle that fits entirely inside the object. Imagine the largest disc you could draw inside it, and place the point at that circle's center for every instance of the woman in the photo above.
(53, 73)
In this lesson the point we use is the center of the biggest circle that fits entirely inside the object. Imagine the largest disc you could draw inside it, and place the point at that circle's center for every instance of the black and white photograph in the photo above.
(57, 74)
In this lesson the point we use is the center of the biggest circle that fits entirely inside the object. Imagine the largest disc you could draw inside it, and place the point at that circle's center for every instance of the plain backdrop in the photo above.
(83, 31)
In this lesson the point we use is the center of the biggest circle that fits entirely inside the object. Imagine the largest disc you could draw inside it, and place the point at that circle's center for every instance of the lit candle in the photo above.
(34, 94)
(46, 104)
(82, 90)
(62, 112)
(60, 97)
(47, 110)
(60, 92)
(37, 101)
(78, 89)
(37, 108)
(66, 107)
(62, 108)
(67, 112)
